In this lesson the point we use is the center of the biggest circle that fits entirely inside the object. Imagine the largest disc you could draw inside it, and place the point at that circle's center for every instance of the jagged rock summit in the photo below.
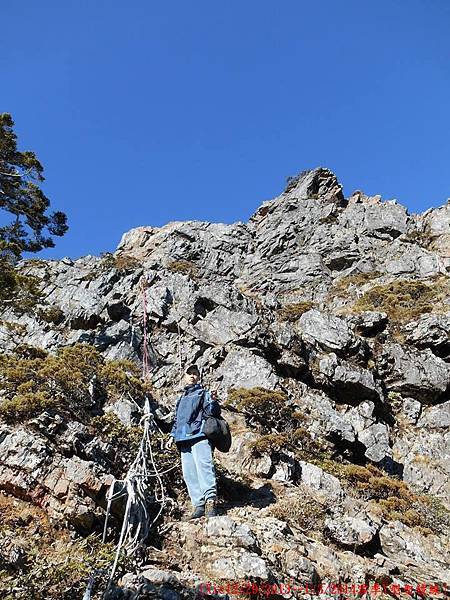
(323, 323)
(299, 243)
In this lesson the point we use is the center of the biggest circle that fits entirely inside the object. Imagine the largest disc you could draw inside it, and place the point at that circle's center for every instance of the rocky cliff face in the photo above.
(323, 323)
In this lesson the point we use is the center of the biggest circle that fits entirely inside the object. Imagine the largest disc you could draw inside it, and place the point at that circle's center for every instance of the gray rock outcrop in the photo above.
(339, 305)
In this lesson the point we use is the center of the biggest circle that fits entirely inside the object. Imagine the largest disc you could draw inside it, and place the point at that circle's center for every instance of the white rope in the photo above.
(90, 585)
(132, 330)
(136, 526)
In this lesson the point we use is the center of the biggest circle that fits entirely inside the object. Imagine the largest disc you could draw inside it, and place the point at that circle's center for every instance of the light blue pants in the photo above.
(199, 472)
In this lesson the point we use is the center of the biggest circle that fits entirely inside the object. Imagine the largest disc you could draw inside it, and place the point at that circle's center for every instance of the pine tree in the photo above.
(21, 196)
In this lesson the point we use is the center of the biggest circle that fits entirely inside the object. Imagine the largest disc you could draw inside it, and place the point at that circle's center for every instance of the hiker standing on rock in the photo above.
(195, 404)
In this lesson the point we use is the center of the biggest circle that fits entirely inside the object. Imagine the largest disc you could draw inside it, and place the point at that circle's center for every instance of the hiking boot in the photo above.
(198, 512)
(211, 508)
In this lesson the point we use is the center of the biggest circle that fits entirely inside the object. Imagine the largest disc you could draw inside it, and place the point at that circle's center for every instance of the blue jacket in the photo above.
(189, 415)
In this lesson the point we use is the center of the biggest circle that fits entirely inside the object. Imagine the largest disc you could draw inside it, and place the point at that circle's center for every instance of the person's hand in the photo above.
(214, 395)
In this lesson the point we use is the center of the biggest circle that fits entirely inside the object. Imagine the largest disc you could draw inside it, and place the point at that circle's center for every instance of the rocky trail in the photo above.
(324, 325)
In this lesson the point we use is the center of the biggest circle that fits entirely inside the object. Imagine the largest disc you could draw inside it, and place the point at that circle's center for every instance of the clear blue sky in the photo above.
(147, 112)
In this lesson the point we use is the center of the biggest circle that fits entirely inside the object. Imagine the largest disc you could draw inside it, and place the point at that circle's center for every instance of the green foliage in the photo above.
(111, 427)
(434, 515)
(20, 291)
(53, 314)
(292, 312)
(391, 497)
(398, 509)
(51, 564)
(33, 380)
(257, 400)
(28, 351)
(185, 267)
(368, 482)
(269, 408)
(297, 441)
(341, 285)
(110, 261)
(405, 300)
(14, 327)
(272, 442)
(8, 279)
(424, 512)
(122, 262)
(25, 405)
(306, 446)
(302, 512)
(20, 172)
(279, 421)
(123, 376)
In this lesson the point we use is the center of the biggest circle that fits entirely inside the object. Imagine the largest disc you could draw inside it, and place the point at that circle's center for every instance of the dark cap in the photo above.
(192, 369)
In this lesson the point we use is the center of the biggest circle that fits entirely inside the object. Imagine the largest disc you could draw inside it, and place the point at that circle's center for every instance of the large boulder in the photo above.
(430, 331)
(317, 479)
(327, 332)
(427, 554)
(347, 382)
(375, 438)
(371, 217)
(222, 326)
(414, 373)
(434, 224)
(243, 368)
(349, 531)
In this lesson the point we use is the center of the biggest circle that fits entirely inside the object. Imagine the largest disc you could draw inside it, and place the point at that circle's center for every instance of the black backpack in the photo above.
(218, 432)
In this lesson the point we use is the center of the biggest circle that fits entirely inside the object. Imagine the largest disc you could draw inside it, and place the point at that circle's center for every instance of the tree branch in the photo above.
(17, 174)
(10, 174)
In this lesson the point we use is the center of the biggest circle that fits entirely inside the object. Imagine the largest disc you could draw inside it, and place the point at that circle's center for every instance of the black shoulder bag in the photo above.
(217, 431)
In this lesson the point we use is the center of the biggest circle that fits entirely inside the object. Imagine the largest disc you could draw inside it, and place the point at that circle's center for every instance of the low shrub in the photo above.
(396, 509)
(110, 427)
(19, 291)
(405, 300)
(124, 262)
(393, 498)
(185, 267)
(342, 284)
(297, 441)
(302, 512)
(121, 262)
(23, 406)
(53, 314)
(264, 407)
(272, 442)
(47, 563)
(75, 379)
(292, 312)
